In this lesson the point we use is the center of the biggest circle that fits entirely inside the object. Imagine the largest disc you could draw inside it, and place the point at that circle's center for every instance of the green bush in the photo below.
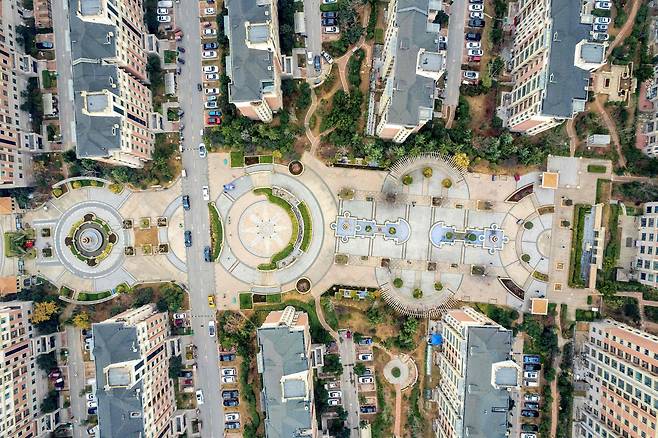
(407, 180)
(237, 159)
(308, 226)
(528, 225)
(57, 192)
(596, 168)
(216, 231)
(76, 184)
(427, 172)
(525, 258)
(447, 183)
(398, 283)
(438, 286)
(417, 293)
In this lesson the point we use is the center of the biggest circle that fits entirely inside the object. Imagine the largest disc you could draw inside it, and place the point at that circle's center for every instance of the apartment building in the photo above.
(112, 104)
(552, 59)
(646, 138)
(646, 260)
(477, 374)
(134, 392)
(254, 61)
(411, 66)
(22, 383)
(622, 371)
(284, 352)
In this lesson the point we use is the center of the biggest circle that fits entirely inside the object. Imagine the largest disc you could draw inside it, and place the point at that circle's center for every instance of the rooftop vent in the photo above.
(135, 414)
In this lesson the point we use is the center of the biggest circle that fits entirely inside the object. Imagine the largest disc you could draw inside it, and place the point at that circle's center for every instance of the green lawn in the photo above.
(237, 159)
(266, 159)
(308, 226)
(246, 300)
(273, 298)
(91, 296)
(580, 211)
(216, 231)
(596, 168)
(170, 56)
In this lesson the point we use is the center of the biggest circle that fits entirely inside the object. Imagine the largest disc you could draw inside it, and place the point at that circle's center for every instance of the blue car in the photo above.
(365, 341)
(216, 113)
(531, 359)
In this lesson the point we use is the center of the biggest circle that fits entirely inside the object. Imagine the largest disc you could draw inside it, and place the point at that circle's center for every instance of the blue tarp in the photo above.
(436, 339)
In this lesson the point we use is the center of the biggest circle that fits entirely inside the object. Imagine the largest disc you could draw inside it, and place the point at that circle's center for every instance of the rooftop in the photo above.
(485, 407)
(566, 84)
(248, 68)
(113, 344)
(283, 353)
(89, 39)
(413, 93)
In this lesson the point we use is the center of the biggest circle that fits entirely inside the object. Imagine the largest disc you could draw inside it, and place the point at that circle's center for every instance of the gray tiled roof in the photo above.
(113, 343)
(247, 68)
(94, 134)
(283, 353)
(90, 40)
(485, 346)
(565, 81)
(411, 91)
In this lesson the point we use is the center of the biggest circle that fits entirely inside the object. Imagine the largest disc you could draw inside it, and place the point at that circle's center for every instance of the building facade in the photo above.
(254, 61)
(476, 374)
(134, 392)
(646, 261)
(284, 362)
(113, 105)
(411, 66)
(22, 383)
(622, 372)
(552, 59)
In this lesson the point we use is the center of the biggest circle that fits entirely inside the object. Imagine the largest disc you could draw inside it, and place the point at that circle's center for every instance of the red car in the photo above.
(55, 374)
(474, 58)
(214, 120)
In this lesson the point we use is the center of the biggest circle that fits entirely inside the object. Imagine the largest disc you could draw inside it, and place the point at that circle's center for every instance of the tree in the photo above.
(374, 315)
(360, 369)
(51, 402)
(81, 320)
(175, 367)
(47, 362)
(462, 160)
(42, 312)
(405, 339)
(143, 296)
(174, 296)
(332, 364)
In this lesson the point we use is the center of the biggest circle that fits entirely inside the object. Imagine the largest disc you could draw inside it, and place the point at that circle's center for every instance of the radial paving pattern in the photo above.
(264, 229)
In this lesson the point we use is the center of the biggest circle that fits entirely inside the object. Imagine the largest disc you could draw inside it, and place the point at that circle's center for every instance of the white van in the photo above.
(184, 173)
(165, 4)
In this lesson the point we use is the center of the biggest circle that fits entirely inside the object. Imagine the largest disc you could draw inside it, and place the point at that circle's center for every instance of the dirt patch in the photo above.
(148, 236)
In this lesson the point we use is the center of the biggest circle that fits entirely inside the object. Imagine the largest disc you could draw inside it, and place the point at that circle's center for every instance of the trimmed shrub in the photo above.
(398, 283)
(447, 183)
(417, 293)
(407, 180)
(525, 258)
(427, 172)
(438, 286)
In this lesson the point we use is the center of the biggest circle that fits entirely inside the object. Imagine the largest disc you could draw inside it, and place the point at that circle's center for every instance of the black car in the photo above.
(234, 402)
(531, 367)
(317, 63)
(186, 374)
(210, 46)
(329, 15)
(188, 238)
(473, 36)
(529, 413)
(230, 395)
(368, 409)
(531, 405)
(92, 411)
(226, 357)
(328, 21)
(232, 425)
(45, 45)
(527, 427)
(443, 46)
(181, 60)
(475, 22)
(186, 202)
(181, 49)
(207, 256)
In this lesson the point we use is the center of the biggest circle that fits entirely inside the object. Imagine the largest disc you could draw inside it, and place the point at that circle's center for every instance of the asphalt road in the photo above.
(76, 382)
(348, 383)
(201, 274)
(313, 32)
(455, 52)
(60, 13)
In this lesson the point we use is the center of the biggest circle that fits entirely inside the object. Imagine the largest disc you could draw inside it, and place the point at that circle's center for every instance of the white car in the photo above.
(164, 19)
(179, 315)
(479, 15)
(473, 45)
(210, 32)
(333, 402)
(530, 374)
(471, 75)
(210, 69)
(231, 416)
(335, 394)
(328, 2)
(365, 356)
(212, 77)
(208, 54)
(531, 397)
(228, 372)
(211, 98)
(443, 39)
(600, 36)
(603, 5)
(211, 324)
(228, 379)
(209, 11)
(475, 52)
(327, 57)
(202, 150)
(92, 404)
(366, 379)
(476, 7)
(212, 90)
(211, 105)
(528, 435)
(206, 197)
(331, 29)
(602, 20)
(91, 396)
(199, 397)
(165, 4)
(163, 11)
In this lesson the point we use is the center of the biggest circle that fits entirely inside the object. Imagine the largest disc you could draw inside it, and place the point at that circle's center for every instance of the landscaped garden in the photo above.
(216, 231)
(290, 247)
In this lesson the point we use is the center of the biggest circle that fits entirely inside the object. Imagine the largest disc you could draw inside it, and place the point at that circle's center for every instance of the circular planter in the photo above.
(296, 168)
(303, 285)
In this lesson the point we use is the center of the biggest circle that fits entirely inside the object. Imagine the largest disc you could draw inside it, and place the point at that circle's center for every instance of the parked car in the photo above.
(368, 409)
(209, 54)
(476, 7)
(179, 316)
(209, 32)
(212, 77)
(228, 371)
(367, 372)
(234, 402)
(45, 45)
(530, 374)
(228, 395)
(206, 193)
(199, 397)
(365, 356)
(181, 60)
(186, 202)
(231, 416)
(528, 427)
(475, 52)
(365, 341)
(228, 379)
(328, 2)
(603, 5)
(366, 379)
(529, 413)
(333, 402)
(602, 20)
(531, 383)
(479, 15)
(317, 63)
(210, 69)
(327, 57)
(232, 425)
(211, 329)
(531, 405)
(202, 150)
(443, 39)
(217, 113)
(55, 373)
(212, 91)
(475, 1)
(181, 49)
(214, 121)
(330, 14)
(473, 36)
(90, 396)
(92, 411)
(92, 404)
(331, 385)
(165, 4)
(163, 11)
(226, 357)
(600, 36)
(335, 394)
(331, 29)
(207, 255)
(473, 45)
(211, 105)
(209, 11)
(211, 301)
(531, 397)
(474, 58)
(210, 46)
(476, 22)
(164, 19)
(186, 373)
(528, 435)
(188, 238)
(329, 22)
(600, 27)
(531, 367)
(531, 358)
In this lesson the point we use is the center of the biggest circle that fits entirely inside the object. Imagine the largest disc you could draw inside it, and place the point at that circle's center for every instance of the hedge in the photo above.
(597, 168)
